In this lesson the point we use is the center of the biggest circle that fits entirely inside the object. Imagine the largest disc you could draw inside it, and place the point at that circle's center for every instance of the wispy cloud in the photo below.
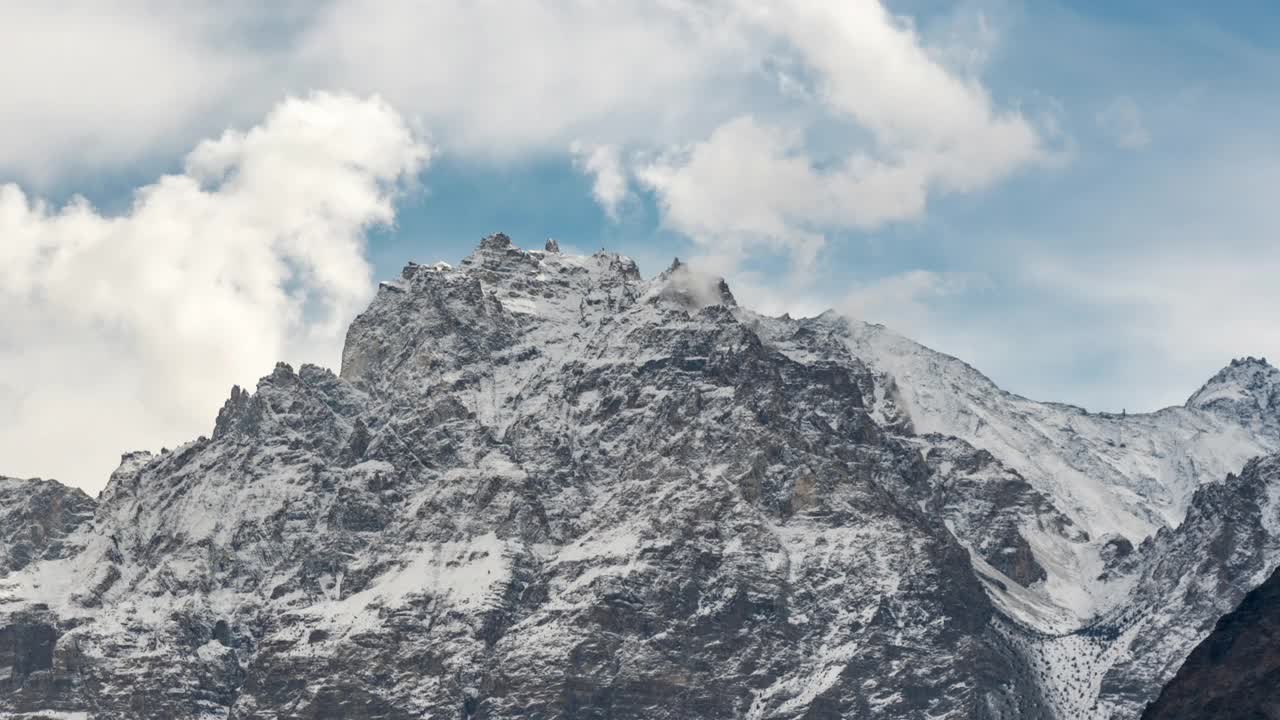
(1121, 120)
(905, 301)
(603, 163)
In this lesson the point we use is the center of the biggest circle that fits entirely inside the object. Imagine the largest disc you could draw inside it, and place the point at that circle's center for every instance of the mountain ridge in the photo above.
(1232, 672)
(551, 487)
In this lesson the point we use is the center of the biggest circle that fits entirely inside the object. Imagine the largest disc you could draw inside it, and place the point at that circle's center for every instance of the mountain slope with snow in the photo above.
(1233, 672)
(1119, 478)
(544, 486)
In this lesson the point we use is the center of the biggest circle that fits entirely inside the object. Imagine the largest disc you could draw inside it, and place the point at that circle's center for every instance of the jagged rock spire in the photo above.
(496, 241)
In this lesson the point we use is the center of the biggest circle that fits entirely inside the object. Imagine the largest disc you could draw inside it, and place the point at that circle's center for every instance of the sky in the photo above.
(1073, 197)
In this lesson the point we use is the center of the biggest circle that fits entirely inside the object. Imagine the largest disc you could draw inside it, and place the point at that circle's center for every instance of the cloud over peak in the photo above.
(839, 96)
(754, 127)
(123, 331)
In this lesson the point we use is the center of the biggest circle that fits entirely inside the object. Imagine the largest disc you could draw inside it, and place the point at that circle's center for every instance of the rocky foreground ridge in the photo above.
(543, 486)
(1235, 672)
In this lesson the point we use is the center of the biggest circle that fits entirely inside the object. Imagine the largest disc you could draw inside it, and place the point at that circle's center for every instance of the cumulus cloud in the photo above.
(724, 90)
(127, 331)
(756, 125)
(121, 80)
(93, 85)
(759, 182)
(500, 77)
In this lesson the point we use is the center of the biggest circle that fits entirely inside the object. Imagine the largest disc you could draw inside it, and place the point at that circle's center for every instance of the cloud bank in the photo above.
(757, 181)
(756, 124)
(755, 127)
(126, 331)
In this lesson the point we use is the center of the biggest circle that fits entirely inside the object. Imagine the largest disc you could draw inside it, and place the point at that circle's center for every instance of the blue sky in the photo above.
(1095, 227)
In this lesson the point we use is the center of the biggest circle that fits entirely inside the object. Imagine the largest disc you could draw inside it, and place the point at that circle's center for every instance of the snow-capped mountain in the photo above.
(1247, 390)
(544, 486)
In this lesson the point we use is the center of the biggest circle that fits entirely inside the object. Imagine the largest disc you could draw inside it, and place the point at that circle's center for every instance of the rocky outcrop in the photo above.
(1235, 672)
(1248, 389)
(36, 517)
(1188, 578)
(989, 507)
(543, 486)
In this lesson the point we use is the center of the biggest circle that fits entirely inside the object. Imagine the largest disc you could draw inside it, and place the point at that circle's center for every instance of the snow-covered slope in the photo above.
(544, 486)
(1117, 477)
(1232, 673)
(1247, 391)
(1111, 484)
(1093, 622)
(1228, 544)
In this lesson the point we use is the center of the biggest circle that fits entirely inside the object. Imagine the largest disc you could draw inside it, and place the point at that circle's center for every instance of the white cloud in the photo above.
(758, 182)
(603, 163)
(907, 302)
(1121, 120)
(124, 332)
(500, 77)
(759, 125)
(492, 78)
(93, 85)
(903, 301)
(104, 84)
(1174, 318)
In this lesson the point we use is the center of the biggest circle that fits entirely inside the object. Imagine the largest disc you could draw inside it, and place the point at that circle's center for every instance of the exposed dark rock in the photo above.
(544, 487)
(1234, 674)
(36, 518)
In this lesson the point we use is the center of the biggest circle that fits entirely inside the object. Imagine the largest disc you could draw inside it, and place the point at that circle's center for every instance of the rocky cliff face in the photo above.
(36, 517)
(1235, 672)
(1189, 577)
(1156, 531)
(543, 486)
(1247, 390)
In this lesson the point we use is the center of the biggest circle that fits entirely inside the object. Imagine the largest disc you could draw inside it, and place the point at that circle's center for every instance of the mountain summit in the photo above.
(1247, 388)
(542, 485)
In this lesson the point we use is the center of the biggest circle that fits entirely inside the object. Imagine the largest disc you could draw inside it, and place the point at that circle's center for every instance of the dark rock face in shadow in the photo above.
(27, 647)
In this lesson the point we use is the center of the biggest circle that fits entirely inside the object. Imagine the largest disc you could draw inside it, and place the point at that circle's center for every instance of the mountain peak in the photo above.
(1250, 362)
(1246, 386)
(694, 289)
(36, 516)
(496, 241)
(538, 454)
